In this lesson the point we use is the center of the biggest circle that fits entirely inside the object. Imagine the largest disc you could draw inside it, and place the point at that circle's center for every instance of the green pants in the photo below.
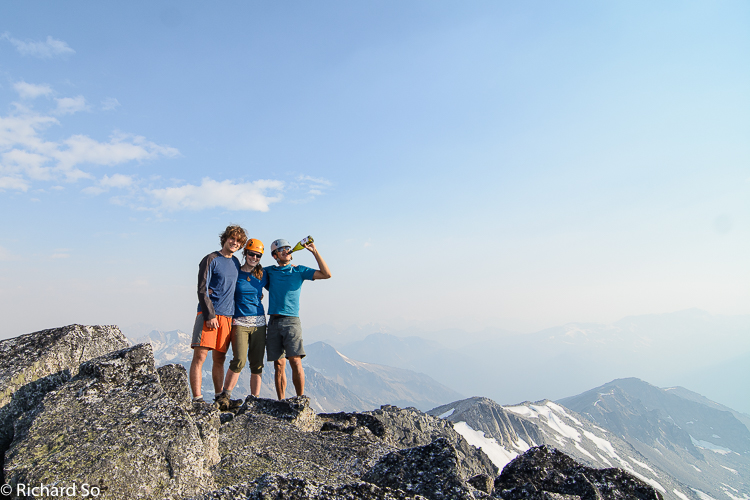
(248, 341)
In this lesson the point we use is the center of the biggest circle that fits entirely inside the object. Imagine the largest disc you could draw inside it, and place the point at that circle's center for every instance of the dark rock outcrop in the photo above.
(409, 427)
(482, 482)
(282, 487)
(113, 426)
(543, 471)
(432, 471)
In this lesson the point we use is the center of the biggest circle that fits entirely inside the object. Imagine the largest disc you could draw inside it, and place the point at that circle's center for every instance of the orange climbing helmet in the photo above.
(255, 246)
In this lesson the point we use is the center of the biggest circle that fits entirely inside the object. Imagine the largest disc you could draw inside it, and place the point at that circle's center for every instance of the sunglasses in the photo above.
(253, 254)
(283, 249)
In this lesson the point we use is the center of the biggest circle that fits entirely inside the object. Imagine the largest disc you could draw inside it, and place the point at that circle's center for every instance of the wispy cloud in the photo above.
(28, 156)
(117, 181)
(310, 186)
(220, 194)
(70, 105)
(110, 103)
(15, 183)
(42, 49)
(107, 182)
(31, 90)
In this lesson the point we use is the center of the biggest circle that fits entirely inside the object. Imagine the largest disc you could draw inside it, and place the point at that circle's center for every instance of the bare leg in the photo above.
(298, 374)
(196, 377)
(255, 384)
(279, 377)
(217, 371)
(231, 380)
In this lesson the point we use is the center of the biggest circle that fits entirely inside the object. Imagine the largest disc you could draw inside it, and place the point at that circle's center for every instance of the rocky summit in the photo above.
(84, 412)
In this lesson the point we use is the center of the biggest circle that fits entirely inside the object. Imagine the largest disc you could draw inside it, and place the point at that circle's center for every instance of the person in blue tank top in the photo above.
(248, 325)
(284, 332)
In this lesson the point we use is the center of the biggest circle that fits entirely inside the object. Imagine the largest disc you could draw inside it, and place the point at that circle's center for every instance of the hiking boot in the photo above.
(235, 403)
(222, 402)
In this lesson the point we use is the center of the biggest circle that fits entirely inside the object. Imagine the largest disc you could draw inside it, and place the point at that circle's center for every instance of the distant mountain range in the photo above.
(334, 382)
(710, 354)
(685, 449)
(694, 440)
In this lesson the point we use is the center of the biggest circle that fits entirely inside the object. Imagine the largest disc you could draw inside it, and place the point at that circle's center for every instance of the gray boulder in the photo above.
(30, 357)
(31, 365)
(278, 437)
(544, 473)
(432, 471)
(296, 411)
(113, 426)
(409, 427)
(174, 381)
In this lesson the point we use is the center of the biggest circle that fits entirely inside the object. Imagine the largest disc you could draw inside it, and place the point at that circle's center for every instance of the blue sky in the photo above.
(515, 165)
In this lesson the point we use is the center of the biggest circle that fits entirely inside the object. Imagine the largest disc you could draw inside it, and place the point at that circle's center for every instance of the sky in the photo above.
(492, 164)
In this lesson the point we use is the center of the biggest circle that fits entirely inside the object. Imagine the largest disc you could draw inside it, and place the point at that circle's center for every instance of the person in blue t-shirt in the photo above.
(217, 278)
(284, 331)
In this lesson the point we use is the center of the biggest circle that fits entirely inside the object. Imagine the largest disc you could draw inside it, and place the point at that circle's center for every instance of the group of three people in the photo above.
(230, 311)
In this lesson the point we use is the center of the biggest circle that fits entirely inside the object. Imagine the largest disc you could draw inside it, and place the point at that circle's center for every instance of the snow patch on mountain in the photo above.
(447, 413)
(702, 496)
(552, 420)
(706, 445)
(680, 495)
(499, 455)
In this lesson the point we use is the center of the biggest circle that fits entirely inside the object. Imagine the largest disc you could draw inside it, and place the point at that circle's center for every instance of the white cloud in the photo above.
(219, 194)
(121, 148)
(59, 255)
(43, 50)
(27, 155)
(315, 180)
(107, 182)
(70, 105)
(110, 103)
(13, 183)
(93, 190)
(117, 180)
(312, 186)
(31, 90)
(19, 161)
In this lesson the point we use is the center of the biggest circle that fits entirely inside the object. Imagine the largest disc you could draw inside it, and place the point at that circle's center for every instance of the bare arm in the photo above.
(324, 273)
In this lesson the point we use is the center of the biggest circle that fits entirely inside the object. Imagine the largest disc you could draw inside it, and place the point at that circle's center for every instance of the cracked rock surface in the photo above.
(543, 471)
(113, 426)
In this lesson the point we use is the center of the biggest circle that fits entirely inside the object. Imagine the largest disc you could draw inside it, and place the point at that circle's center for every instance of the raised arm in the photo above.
(324, 273)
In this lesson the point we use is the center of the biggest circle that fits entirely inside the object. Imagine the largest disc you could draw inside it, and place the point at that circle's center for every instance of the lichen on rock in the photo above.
(112, 425)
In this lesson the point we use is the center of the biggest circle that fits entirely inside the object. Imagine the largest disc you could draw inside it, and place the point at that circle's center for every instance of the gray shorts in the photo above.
(284, 338)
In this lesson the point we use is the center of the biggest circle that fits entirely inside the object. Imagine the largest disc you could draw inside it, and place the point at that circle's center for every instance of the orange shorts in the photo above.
(213, 339)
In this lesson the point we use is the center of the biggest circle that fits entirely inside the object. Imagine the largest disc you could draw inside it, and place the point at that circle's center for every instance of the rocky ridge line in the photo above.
(118, 422)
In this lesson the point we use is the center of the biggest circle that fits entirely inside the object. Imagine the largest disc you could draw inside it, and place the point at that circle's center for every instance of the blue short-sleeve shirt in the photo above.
(247, 294)
(284, 284)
